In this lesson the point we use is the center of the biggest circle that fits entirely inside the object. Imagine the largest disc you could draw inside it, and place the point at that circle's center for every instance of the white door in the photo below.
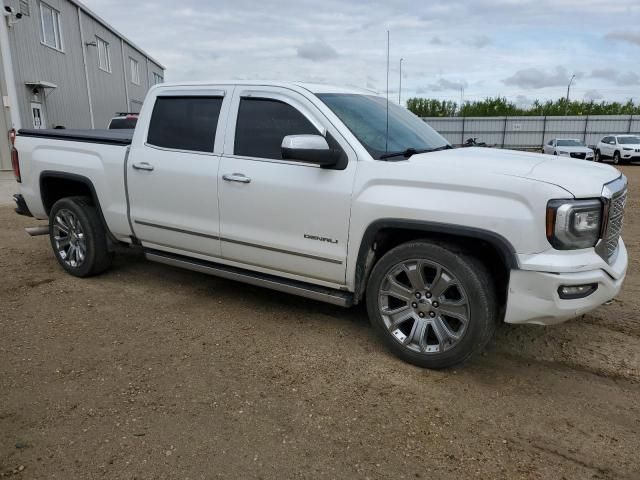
(37, 116)
(172, 174)
(286, 217)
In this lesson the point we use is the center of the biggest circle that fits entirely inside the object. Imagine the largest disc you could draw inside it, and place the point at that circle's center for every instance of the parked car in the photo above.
(123, 121)
(568, 147)
(618, 149)
(307, 189)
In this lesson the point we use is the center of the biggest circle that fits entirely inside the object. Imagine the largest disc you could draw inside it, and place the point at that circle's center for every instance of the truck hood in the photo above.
(580, 178)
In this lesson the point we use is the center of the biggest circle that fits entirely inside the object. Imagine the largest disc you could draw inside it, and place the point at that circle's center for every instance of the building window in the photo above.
(50, 25)
(157, 78)
(104, 58)
(135, 71)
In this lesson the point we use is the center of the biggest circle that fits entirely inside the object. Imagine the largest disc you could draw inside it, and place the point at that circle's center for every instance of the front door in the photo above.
(37, 116)
(172, 173)
(286, 217)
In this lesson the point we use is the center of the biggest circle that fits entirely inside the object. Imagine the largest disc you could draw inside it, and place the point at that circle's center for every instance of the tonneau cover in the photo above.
(111, 137)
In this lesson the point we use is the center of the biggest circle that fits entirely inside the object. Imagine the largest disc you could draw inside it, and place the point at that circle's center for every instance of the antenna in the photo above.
(386, 139)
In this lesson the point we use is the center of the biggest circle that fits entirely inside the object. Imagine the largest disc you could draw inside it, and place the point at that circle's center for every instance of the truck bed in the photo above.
(109, 137)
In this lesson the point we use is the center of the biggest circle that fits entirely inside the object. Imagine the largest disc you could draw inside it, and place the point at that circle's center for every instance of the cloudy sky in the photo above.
(518, 49)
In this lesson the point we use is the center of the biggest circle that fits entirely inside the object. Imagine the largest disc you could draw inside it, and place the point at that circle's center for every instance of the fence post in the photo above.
(544, 131)
(504, 131)
(584, 135)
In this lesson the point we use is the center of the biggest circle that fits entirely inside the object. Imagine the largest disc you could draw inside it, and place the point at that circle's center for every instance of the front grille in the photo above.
(578, 155)
(615, 221)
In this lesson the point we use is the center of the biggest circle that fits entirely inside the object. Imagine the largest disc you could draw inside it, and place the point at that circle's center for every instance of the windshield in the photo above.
(570, 143)
(366, 117)
(628, 140)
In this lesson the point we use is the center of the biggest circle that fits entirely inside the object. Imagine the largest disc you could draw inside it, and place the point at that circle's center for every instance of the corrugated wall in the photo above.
(68, 104)
(532, 132)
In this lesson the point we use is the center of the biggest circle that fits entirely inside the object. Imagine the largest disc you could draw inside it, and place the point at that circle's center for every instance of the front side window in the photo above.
(104, 57)
(50, 26)
(185, 123)
(135, 71)
(263, 123)
(366, 117)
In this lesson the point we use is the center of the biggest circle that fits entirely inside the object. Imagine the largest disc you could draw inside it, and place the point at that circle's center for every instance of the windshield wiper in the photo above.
(412, 151)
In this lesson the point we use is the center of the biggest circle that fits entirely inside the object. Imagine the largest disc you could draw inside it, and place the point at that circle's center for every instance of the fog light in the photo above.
(569, 292)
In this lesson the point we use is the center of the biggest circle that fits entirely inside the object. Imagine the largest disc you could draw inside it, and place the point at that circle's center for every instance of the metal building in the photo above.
(61, 65)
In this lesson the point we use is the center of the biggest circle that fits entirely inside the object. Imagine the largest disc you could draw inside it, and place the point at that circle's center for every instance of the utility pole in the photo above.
(566, 106)
(400, 89)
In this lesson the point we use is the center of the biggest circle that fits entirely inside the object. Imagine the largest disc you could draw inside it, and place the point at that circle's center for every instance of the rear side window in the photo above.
(128, 122)
(263, 123)
(185, 123)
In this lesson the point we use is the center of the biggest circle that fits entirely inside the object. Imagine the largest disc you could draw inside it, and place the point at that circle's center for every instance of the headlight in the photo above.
(573, 224)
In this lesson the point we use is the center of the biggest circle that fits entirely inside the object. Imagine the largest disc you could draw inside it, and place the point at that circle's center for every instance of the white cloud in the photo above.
(316, 51)
(538, 78)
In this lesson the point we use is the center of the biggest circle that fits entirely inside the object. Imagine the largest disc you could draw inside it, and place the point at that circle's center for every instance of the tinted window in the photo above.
(123, 123)
(185, 123)
(263, 123)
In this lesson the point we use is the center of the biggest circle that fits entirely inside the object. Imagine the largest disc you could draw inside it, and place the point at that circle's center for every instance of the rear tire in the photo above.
(616, 158)
(434, 307)
(78, 237)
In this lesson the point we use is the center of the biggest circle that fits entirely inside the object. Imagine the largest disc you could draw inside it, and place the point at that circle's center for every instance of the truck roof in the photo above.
(311, 87)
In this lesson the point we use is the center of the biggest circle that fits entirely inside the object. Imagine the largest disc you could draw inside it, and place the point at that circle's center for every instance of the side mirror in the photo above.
(309, 148)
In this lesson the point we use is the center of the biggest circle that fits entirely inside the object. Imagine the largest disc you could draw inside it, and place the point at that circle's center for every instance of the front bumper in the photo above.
(533, 295)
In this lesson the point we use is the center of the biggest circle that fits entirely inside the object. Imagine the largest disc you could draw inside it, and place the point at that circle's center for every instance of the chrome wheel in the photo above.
(69, 238)
(424, 306)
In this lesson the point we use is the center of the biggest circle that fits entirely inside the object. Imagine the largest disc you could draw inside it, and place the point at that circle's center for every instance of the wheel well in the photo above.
(53, 188)
(498, 261)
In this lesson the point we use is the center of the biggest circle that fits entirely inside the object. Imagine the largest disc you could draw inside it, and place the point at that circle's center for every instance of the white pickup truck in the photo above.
(335, 195)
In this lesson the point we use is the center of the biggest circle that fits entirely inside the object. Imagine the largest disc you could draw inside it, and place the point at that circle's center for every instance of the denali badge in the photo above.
(322, 239)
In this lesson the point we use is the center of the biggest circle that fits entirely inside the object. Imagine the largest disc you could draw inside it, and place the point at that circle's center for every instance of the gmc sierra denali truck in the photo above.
(335, 195)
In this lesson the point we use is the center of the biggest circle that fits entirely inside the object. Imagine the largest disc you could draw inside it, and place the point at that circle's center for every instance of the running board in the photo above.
(334, 297)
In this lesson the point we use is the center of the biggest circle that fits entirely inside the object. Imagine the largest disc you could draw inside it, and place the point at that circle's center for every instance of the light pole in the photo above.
(566, 106)
(400, 89)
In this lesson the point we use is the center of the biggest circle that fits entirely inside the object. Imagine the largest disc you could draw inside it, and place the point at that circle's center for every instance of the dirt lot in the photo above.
(153, 372)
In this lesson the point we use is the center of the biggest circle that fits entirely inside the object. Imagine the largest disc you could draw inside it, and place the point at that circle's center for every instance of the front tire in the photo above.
(433, 307)
(78, 237)
(616, 158)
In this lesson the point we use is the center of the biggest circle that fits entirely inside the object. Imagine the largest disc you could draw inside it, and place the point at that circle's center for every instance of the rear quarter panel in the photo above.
(100, 164)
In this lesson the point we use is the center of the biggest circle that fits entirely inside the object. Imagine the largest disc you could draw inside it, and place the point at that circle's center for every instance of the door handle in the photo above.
(143, 166)
(236, 177)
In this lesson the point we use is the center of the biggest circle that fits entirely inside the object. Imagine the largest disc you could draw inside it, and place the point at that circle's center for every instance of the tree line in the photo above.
(500, 106)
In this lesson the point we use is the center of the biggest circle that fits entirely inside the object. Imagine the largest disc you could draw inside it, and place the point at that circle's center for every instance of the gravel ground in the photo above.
(152, 372)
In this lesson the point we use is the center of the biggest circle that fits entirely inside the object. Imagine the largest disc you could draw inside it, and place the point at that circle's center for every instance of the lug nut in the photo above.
(421, 314)
(432, 314)
(414, 305)
(417, 294)
(435, 304)
(428, 295)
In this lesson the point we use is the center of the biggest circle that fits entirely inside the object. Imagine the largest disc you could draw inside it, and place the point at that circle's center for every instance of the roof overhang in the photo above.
(41, 84)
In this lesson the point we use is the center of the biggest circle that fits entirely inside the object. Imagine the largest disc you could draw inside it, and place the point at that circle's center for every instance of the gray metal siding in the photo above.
(5, 123)
(107, 88)
(68, 104)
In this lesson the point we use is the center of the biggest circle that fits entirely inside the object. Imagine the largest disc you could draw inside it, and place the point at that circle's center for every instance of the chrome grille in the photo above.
(615, 221)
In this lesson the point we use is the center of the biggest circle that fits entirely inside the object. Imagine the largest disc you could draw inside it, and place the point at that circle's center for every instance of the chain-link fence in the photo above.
(532, 132)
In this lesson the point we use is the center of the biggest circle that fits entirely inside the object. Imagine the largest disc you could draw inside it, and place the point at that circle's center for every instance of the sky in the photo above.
(518, 49)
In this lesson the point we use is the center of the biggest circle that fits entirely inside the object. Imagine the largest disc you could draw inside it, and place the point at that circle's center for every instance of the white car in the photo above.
(568, 147)
(618, 149)
(334, 194)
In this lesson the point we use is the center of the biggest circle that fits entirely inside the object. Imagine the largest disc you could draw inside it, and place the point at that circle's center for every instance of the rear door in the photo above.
(286, 217)
(172, 171)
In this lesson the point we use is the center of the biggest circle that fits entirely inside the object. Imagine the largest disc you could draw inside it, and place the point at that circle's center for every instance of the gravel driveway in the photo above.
(150, 372)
